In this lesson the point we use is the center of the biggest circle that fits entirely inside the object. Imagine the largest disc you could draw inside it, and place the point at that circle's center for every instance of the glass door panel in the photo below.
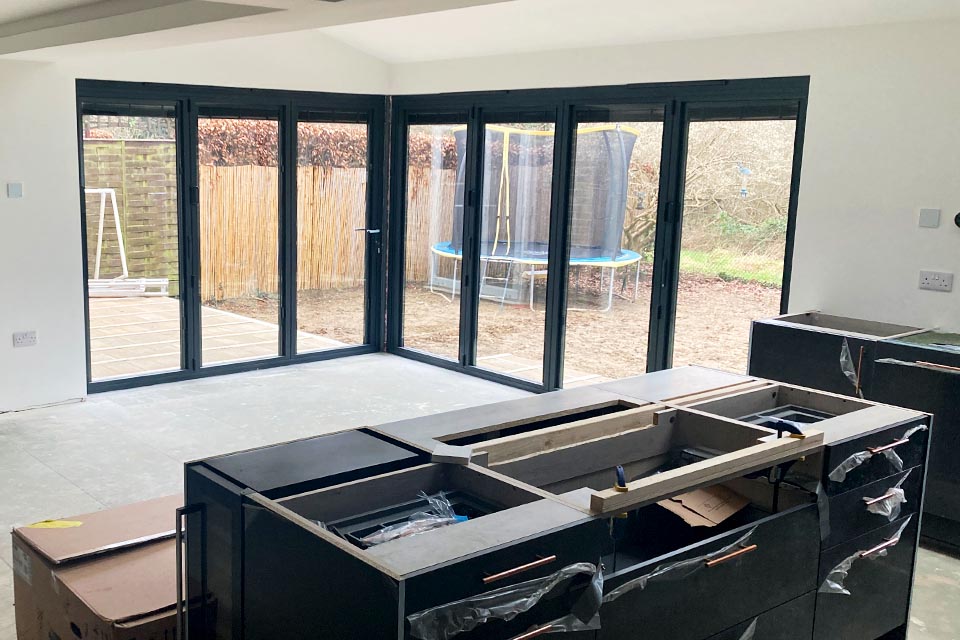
(514, 246)
(130, 169)
(613, 225)
(239, 217)
(332, 177)
(734, 234)
(433, 247)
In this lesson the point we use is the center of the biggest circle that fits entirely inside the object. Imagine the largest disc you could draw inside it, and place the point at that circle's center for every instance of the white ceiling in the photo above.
(11, 10)
(56, 29)
(543, 25)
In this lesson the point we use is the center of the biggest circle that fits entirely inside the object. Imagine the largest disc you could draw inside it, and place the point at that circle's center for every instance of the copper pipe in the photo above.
(887, 447)
(524, 567)
(870, 501)
(533, 633)
(731, 556)
(880, 547)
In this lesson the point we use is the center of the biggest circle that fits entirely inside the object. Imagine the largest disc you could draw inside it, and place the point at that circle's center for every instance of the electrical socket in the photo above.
(936, 281)
(25, 339)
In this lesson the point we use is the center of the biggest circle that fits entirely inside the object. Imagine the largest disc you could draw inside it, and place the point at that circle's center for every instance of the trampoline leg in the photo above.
(613, 275)
(453, 283)
(483, 276)
(532, 280)
(433, 271)
(636, 285)
(506, 283)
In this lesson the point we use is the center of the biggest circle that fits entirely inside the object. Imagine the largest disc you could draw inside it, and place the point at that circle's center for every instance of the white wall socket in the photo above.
(25, 339)
(936, 281)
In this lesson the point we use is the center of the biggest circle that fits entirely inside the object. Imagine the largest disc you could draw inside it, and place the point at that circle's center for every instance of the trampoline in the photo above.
(532, 267)
(515, 210)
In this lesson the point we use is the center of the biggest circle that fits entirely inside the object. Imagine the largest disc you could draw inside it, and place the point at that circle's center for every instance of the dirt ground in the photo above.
(713, 324)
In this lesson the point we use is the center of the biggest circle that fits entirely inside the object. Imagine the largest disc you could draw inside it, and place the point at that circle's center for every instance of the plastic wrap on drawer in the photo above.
(750, 631)
(889, 504)
(677, 570)
(834, 582)
(839, 473)
(448, 620)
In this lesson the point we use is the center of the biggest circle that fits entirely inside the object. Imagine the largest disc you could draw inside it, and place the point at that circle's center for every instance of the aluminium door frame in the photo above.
(677, 99)
(791, 106)
(387, 124)
(288, 104)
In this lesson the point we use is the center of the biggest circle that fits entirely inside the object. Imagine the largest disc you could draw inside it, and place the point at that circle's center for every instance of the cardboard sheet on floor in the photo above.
(108, 575)
(705, 507)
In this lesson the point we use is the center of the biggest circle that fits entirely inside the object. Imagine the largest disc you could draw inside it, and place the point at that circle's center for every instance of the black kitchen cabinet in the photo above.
(913, 368)
(277, 538)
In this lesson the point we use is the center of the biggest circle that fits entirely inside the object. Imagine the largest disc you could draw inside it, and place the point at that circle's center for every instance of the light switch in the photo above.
(14, 189)
(929, 218)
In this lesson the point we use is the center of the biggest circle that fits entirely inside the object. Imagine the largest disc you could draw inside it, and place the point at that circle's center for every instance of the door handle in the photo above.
(522, 568)
(880, 547)
(732, 555)
(183, 606)
(370, 231)
(886, 496)
(887, 447)
(535, 633)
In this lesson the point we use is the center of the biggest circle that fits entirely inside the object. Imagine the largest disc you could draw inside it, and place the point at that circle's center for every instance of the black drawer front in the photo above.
(880, 465)
(692, 606)
(850, 515)
(790, 621)
(879, 586)
(806, 357)
(464, 579)
(558, 605)
(936, 392)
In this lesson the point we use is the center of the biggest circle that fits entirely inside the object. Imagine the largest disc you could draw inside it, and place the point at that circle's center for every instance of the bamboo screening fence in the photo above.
(239, 218)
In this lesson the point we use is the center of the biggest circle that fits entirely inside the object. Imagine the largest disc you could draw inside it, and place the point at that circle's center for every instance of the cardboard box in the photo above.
(109, 575)
(705, 507)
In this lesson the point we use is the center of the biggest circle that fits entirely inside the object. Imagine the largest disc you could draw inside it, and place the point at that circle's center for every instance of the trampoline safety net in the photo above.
(517, 178)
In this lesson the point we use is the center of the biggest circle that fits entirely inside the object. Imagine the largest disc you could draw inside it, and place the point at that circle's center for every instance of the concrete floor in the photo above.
(127, 446)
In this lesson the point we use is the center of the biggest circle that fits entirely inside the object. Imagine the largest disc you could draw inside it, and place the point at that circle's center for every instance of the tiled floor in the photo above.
(127, 446)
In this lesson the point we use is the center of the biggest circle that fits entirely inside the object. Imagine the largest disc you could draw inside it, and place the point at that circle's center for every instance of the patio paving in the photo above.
(134, 336)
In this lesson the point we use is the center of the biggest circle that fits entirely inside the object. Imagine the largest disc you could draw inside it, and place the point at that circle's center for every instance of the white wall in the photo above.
(882, 140)
(303, 60)
(40, 257)
(40, 254)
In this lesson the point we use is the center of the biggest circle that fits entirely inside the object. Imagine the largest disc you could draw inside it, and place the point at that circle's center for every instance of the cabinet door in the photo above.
(878, 583)
(692, 605)
(807, 357)
(910, 452)
(790, 621)
(935, 392)
(850, 514)
(458, 590)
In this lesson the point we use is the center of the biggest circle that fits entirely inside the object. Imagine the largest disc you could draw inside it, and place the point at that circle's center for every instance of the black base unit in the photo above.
(901, 366)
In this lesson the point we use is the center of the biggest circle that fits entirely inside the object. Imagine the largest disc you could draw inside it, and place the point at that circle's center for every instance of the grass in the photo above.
(729, 265)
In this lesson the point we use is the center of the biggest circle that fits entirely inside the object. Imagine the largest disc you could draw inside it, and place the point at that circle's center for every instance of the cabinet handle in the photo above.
(870, 501)
(731, 556)
(534, 633)
(524, 567)
(887, 447)
(880, 547)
